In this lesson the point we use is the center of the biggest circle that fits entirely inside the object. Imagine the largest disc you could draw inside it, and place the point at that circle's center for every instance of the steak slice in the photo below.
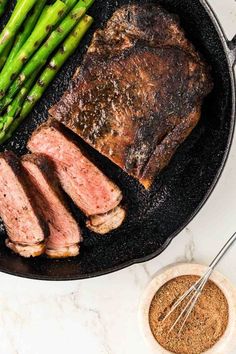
(104, 223)
(138, 91)
(87, 186)
(24, 222)
(65, 234)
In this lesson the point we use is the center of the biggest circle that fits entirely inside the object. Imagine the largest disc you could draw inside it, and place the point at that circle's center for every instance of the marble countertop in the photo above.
(99, 316)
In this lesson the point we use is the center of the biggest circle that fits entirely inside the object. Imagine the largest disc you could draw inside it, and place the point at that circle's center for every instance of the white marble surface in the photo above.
(99, 316)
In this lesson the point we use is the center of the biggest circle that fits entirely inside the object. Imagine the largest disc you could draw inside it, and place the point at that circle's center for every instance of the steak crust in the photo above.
(138, 93)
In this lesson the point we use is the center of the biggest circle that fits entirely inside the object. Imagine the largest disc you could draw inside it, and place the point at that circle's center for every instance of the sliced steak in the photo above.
(139, 90)
(88, 187)
(104, 223)
(64, 231)
(22, 217)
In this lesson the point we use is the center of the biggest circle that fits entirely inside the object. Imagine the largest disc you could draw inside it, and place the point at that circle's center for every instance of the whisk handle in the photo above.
(222, 252)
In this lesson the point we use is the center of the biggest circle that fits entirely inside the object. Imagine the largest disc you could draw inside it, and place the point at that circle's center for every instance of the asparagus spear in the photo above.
(29, 25)
(46, 7)
(39, 8)
(15, 107)
(3, 4)
(52, 16)
(66, 50)
(5, 54)
(43, 13)
(41, 56)
(70, 3)
(17, 18)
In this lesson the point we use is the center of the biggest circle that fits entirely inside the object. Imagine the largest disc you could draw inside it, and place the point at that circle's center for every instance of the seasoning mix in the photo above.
(205, 326)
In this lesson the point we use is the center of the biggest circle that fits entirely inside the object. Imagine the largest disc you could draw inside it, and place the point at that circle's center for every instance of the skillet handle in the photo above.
(232, 50)
(230, 44)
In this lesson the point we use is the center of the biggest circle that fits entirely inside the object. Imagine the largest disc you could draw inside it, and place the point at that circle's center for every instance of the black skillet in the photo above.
(154, 218)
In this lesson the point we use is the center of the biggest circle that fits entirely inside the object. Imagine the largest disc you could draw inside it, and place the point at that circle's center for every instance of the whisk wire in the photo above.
(195, 290)
(183, 311)
(178, 302)
(194, 299)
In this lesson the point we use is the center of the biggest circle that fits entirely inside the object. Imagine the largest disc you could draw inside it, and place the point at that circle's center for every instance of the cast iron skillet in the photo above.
(156, 217)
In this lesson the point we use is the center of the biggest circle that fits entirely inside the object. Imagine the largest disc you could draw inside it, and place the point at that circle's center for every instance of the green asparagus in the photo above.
(70, 3)
(3, 4)
(15, 107)
(66, 50)
(17, 18)
(43, 13)
(41, 56)
(29, 25)
(5, 54)
(52, 16)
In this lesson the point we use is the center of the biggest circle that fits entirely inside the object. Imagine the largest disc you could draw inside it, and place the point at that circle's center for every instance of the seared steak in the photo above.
(65, 234)
(89, 188)
(19, 210)
(138, 93)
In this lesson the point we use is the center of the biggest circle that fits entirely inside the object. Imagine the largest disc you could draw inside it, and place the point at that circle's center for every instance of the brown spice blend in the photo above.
(206, 324)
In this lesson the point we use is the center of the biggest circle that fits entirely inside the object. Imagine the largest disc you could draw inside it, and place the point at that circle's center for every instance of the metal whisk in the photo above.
(195, 291)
